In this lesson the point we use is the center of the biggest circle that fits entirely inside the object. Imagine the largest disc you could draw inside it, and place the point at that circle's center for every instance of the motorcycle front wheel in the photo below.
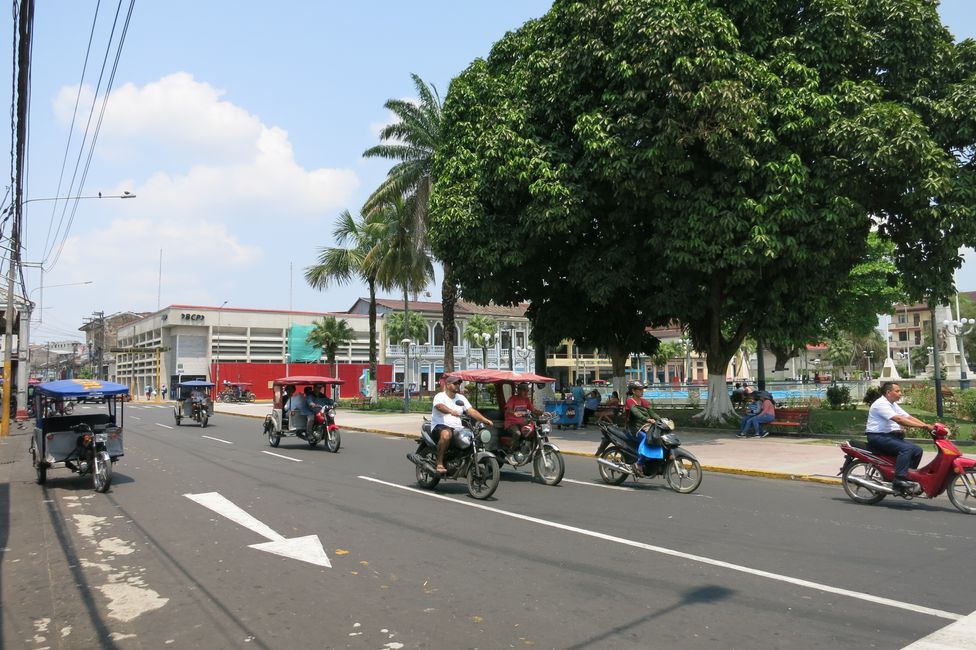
(859, 493)
(333, 440)
(614, 455)
(483, 478)
(962, 491)
(203, 420)
(549, 466)
(683, 475)
(101, 471)
(273, 436)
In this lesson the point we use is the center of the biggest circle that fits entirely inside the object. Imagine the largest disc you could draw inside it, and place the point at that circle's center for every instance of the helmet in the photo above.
(634, 384)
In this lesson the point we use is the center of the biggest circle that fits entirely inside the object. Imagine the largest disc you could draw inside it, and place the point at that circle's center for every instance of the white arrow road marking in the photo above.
(956, 636)
(271, 453)
(307, 549)
(871, 598)
(226, 442)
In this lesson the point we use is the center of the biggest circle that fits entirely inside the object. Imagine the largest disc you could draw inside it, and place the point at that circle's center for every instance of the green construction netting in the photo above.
(299, 350)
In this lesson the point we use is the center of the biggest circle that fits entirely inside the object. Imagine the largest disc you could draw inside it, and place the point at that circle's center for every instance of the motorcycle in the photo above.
(655, 450)
(547, 460)
(866, 475)
(465, 459)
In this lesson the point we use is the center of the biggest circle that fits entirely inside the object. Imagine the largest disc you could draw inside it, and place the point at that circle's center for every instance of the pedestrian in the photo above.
(579, 396)
(148, 392)
(162, 391)
(767, 413)
(590, 406)
(886, 433)
(752, 410)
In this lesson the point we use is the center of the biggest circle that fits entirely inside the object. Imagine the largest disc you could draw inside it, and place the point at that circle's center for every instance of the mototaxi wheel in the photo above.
(177, 418)
(273, 436)
(203, 420)
(859, 493)
(614, 455)
(101, 471)
(333, 440)
(39, 467)
(962, 491)
(483, 478)
(549, 466)
(683, 475)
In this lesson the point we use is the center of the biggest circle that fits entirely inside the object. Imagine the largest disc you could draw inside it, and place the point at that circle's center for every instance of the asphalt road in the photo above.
(742, 563)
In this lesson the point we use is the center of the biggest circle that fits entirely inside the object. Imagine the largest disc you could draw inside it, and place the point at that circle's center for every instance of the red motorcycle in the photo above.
(867, 476)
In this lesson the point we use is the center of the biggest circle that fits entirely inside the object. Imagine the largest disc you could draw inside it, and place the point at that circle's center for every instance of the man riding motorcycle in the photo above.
(445, 417)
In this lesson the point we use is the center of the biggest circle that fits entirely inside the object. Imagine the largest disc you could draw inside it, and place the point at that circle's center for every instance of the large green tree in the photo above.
(337, 265)
(719, 163)
(411, 140)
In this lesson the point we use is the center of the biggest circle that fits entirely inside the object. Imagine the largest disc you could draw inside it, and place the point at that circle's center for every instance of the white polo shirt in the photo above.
(880, 414)
(438, 417)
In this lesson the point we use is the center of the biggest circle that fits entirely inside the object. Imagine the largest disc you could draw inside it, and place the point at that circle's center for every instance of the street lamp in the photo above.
(525, 354)
(486, 343)
(906, 356)
(217, 386)
(869, 354)
(686, 344)
(406, 374)
(960, 328)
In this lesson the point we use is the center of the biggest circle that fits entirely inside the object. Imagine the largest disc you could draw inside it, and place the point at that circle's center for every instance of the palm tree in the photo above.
(412, 141)
(415, 331)
(341, 264)
(328, 335)
(478, 332)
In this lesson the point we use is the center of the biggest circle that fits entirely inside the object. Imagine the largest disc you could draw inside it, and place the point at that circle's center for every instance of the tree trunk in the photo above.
(448, 301)
(718, 408)
(618, 361)
(373, 383)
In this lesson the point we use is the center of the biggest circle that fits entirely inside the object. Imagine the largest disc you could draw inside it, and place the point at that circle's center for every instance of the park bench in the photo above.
(360, 401)
(796, 419)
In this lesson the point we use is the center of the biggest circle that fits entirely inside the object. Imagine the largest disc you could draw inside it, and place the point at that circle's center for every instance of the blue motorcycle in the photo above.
(654, 451)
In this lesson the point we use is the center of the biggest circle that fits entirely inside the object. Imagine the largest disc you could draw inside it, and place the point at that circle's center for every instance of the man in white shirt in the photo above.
(886, 434)
(445, 417)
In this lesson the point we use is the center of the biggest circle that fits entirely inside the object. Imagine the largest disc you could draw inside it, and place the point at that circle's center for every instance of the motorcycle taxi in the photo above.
(86, 444)
(547, 461)
(193, 402)
(312, 429)
(235, 391)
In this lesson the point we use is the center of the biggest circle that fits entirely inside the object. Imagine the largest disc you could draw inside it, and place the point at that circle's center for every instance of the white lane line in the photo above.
(165, 426)
(955, 636)
(294, 460)
(686, 556)
(592, 484)
(226, 442)
(135, 417)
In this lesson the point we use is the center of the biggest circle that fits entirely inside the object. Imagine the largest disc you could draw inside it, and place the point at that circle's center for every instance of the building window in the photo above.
(902, 336)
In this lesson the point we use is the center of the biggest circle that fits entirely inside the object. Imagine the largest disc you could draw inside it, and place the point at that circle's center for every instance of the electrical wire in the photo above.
(71, 191)
(74, 116)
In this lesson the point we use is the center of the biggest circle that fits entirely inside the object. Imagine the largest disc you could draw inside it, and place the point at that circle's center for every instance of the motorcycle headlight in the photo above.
(332, 413)
(464, 438)
(485, 436)
(101, 437)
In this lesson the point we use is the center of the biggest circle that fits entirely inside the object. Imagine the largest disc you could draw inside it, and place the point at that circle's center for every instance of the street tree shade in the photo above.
(719, 164)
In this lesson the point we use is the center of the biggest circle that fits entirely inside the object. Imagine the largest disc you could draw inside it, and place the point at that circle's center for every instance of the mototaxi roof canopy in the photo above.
(69, 388)
(297, 380)
(485, 376)
(196, 383)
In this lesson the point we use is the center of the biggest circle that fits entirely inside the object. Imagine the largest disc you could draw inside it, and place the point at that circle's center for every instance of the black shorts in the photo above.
(435, 433)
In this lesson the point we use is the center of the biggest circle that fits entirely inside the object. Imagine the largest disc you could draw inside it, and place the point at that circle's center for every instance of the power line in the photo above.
(71, 129)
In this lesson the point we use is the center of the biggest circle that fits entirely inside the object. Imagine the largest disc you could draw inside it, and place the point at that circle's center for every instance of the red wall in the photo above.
(260, 374)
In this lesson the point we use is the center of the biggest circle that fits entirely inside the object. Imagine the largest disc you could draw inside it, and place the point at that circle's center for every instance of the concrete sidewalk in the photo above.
(807, 459)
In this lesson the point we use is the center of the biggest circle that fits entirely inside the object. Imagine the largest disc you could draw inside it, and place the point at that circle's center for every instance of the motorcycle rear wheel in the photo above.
(101, 471)
(614, 455)
(683, 475)
(549, 466)
(425, 478)
(333, 440)
(962, 491)
(483, 478)
(859, 493)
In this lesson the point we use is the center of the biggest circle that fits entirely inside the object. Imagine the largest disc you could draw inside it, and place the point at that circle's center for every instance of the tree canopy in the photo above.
(718, 163)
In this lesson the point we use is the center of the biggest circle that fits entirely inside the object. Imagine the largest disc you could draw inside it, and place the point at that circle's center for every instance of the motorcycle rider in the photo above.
(886, 433)
(319, 400)
(637, 410)
(445, 417)
(517, 408)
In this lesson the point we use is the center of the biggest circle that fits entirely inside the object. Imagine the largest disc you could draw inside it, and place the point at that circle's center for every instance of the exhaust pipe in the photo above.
(617, 467)
(421, 463)
(873, 485)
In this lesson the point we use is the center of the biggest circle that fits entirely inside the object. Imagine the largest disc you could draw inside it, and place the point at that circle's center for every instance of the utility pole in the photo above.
(24, 28)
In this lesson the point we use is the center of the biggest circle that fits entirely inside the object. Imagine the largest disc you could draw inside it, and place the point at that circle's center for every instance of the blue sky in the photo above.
(240, 126)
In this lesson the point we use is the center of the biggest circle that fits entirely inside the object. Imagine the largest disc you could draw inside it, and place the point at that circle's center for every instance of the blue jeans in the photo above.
(907, 454)
(756, 423)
